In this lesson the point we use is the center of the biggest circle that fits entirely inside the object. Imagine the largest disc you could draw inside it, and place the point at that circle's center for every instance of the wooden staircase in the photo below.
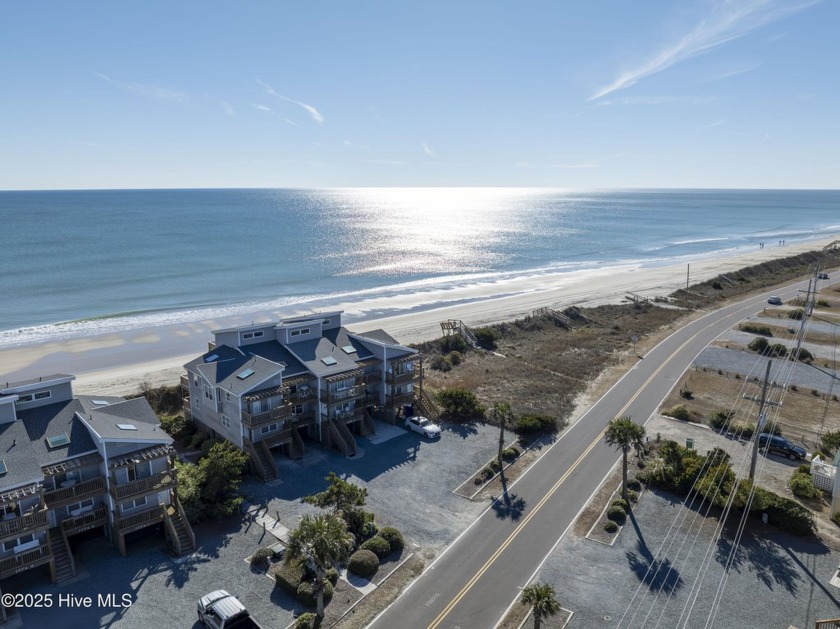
(262, 461)
(296, 448)
(426, 406)
(181, 534)
(367, 426)
(65, 565)
(459, 327)
(341, 437)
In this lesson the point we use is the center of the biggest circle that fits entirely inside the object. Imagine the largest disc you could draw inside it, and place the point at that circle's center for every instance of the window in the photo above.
(253, 335)
(242, 375)
(325, 322)
(133, 504)
(267, 429)
(23, 399)
(195, 380)
(211, 358)
(349, 349)
(208, 392)
(305, 331)
(225, 421)
(329, 360)
(56, 441)
(126, 426)
(80, 507)
(227, 396)
(43, 395)
(295, 332)
(297, 409)
(20, 541)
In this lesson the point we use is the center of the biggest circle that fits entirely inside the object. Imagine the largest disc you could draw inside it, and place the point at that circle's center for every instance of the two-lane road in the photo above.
(472, 583)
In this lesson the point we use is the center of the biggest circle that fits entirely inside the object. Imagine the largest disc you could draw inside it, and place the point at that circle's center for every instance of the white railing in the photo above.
(822, 474)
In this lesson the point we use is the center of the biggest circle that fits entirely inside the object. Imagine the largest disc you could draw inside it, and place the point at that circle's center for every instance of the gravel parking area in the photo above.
(776, 580)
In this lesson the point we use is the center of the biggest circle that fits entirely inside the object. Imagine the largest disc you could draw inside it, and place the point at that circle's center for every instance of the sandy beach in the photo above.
(117, 363)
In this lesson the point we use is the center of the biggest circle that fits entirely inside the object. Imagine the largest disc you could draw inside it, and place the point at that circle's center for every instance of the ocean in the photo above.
(74, 263)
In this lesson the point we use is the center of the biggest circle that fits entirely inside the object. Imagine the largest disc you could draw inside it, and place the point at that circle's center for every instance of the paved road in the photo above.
(471, 584)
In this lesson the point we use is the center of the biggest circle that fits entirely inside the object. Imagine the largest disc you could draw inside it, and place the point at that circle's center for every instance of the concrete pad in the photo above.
(365, 586)
(385, 432)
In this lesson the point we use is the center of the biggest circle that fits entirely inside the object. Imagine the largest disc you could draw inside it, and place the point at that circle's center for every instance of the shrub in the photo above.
(815, 393)
(678, 412)
(620, 502)
(442, 363)
(719, 419)
(610, 527)
(754, 328)
(306, 595)
(634, 484)
(363, 563)
(486, 337)
(687, 394)
(455, 358)
(776, 349)
(831, 440)
(453, 343)
(177, 426)
(632, 495)
(378, 545)
(460, 403)
(207, 445)
(509, 454)
(784, 513)
(758, 344)
(616, 514)
(805, 356)
(306, 621)
(776, 429)
(836, 518)
(197, 439)
(394, 537)
(360, 523)
(797, 314)
(822, 303)
(289, 575)
(529, 424)
(744, 431)
(332, 575)
(802, 486)
(261, 557)
(165, 400)
(716, 285)
(494, 466)
(478, 480)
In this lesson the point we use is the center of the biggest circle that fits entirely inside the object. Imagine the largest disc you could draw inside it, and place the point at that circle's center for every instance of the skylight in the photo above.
(100, 402)
(329, 360)
(349, 349)
(245, 374)
(126, 426)
(3, 468)
(211, 358)
(56, 441)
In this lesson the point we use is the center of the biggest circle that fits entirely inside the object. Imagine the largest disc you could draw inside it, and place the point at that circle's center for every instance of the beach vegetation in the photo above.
(165, 400)
(486, 337)
(543, 601)
(177, 426)
(759, 345)
(680, 411)
(455, 358)
(460, 404)
(755, 328)
(529, 423)
(802, 485)
(625, 434)
(441, 363)
(831, 440)
(453, 343)
(719, 419)
(209, 489)
(364, 563)
(797, 314)
(805, 356)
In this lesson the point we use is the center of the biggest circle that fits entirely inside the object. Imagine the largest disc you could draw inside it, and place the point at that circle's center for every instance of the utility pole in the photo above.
(760, 420)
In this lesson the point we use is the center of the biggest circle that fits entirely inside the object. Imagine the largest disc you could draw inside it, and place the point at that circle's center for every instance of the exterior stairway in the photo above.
(65, 567)
(182, 528)
(342, 439)
(266, 467)
(367, 427)
(296, 448)
(427, 407)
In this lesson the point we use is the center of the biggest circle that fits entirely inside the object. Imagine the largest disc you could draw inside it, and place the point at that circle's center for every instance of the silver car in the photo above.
(423, 425)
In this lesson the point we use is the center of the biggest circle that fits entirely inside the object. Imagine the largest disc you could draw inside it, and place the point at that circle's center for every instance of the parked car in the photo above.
(776, 301)
(780, 445)
(822, 276)
(220, 610)
(423, 425)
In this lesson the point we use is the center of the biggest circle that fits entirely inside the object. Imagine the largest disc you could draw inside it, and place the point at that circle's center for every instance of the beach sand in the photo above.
(118, 363)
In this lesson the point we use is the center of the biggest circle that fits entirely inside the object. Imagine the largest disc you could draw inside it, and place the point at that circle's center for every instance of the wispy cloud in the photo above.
(261, 107)
(151, 91)
(428, 150)
(559, 166)
(729, 20)
(711, 124)
(735, 72)
(230, 111)
(291, 122)
(656, 100)
(314, 113)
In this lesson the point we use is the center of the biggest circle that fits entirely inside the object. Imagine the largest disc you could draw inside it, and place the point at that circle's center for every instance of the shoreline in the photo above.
(116, 363)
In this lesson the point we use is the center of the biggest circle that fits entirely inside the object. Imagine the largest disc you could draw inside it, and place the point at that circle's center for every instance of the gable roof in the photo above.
(52, 420)
(106, 421)
(311, 353)
(17, 453)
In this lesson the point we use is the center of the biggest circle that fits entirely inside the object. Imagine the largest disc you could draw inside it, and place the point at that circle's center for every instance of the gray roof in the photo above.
(223, 371)
(311, 352)
(51, 420)
(106, 422)
(17, 453)
(340, 337)
(87, 401)
(24, 383)
(378, 335)
(224, 352)
(278, 353)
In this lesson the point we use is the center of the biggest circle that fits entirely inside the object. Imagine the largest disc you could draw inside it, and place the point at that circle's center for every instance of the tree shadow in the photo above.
(657, 574)
(462, 429)
(508, 506)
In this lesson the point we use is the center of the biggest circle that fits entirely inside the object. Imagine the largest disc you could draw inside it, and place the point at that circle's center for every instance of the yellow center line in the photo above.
(468, 586)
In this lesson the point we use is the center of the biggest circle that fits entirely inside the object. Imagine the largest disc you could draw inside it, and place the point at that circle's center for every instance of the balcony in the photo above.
(402, 378)
(349, 416)
(331, 397)
(154, 483)
(85, 521)
(135, 522)
(25, 561)
(274, 415)
(22, 524)
(75, 493)
(303, 419)
(185, 383)
(400, 398)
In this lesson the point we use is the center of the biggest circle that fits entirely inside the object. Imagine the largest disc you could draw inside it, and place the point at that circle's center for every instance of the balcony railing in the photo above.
(140, 520)
(65, 495)
(349, 416)
(402, 378)
(25, 560)
(86, 521)
(330, 397)
(400, 398)
(185, 383)
(156, 482)
(24, 523)
(275, 414)
(304, 419)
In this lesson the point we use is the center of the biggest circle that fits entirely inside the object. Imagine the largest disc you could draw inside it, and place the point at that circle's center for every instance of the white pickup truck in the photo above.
(220, 610)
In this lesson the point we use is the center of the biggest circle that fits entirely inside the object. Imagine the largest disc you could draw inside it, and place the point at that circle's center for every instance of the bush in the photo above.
(805, 356)
(687, 394)
(495, 466)
(261, 557)
(460, 403)
(529, 424)
(784, 513)
(716, 285)
(632, 495)
(308, 620)
(197, 439)
(442, 363)
(360, 523)
(177, 426)
(453, 343)
(207, 445)
(776, 349)
(678, 412)
(394, 538)
(634, 484)
(306, 595)
(754, 328)
(616, 514)
(455, 358)
(332, 575)
(165, 400)
(836, 518)
(486, 337)
(744, 431)
(378, 545)
(610, 527)
(758, 344)
(802, 485)
(719, 419)
(797, 314)
(364, 563)
(831, 440)
(509, 454)
(289, 575)
(620, 502)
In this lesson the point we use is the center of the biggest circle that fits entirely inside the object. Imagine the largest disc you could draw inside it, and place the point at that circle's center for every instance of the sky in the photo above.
(595, 94)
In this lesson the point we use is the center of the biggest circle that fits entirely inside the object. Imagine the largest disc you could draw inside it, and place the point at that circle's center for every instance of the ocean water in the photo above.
(77, 262)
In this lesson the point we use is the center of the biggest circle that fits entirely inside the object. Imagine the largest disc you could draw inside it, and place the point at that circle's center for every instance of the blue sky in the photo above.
(604, 94)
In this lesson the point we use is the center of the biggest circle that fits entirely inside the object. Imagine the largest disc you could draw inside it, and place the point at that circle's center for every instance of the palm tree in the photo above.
(625, 434)
(542, 598)
(325, 540)
(502, 413)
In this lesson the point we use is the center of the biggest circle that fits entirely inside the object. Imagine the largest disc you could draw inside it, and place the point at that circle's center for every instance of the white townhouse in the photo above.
(272, 385)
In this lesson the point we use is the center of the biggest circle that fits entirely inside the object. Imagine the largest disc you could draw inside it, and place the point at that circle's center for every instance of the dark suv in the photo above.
(780, 445)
